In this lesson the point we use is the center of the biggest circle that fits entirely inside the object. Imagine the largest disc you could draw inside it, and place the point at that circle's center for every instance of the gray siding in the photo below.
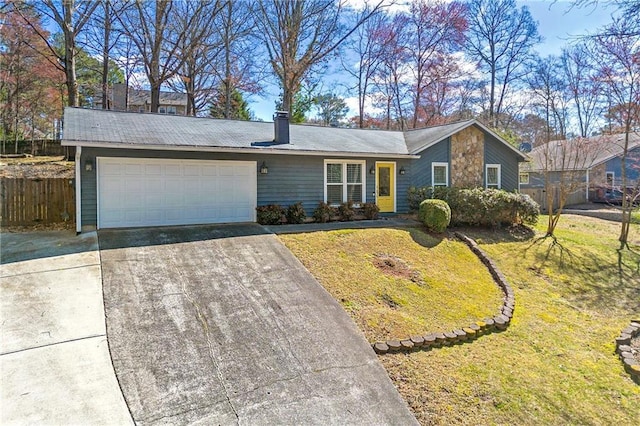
(496, 153)
(291, 178)
(632, 166)
(421, 168)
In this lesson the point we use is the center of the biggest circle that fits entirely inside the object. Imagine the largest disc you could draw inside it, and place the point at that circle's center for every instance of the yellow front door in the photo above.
(386, 187)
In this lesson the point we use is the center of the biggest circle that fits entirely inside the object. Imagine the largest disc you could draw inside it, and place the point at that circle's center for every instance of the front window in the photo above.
(162, 110)
(493, 176)
(524, 178)
(344, 181)
(171, 110)
(440, 173)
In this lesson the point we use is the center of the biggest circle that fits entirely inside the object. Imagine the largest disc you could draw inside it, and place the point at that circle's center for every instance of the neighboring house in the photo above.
(172, 103)
(594, 165)
(147, 169)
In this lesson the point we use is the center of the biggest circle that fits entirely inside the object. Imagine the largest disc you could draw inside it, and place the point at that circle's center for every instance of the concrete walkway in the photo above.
(54, 360)
(223, 325)
(600, 211)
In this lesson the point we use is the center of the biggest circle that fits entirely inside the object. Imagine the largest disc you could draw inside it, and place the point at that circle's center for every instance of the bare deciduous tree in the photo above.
(300, 34)
(563, 164)
(550, 95)
(160, 29)
(500, 38)
(367, 45)
(71, 16)
(618, 51)
(578, 72)
(434, 29)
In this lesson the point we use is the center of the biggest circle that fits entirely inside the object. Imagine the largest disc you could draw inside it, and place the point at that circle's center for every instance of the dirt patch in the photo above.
(37, 168)
(396, 267)
(62, 226)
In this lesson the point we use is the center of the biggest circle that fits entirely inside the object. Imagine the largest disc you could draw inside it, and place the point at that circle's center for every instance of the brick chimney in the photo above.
(281, 127)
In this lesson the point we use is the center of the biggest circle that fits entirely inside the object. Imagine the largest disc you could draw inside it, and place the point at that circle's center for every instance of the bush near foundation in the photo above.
(479, 206)
(295, 213)
(271, 214)
(434, 214)
(324, 213)
(370, 211)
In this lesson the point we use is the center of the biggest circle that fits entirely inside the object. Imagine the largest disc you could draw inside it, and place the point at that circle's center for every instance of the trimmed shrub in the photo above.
(295, 213)
(346, 212)
(270, 214)
(324, 213)
(485, 207)
(416, 195)
(434, 214)
(370, 211)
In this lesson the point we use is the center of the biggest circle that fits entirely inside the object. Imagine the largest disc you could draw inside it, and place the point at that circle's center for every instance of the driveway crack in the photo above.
(205, 327)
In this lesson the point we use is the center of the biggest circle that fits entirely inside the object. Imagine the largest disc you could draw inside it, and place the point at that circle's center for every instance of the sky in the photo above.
(558, 24)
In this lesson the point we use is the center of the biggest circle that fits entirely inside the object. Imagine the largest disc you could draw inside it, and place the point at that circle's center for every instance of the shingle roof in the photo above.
(420, 139)
(88, 127)
(97, 127)
(580, 153)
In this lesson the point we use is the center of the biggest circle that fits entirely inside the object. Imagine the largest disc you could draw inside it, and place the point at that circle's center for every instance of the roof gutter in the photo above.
(273, 151)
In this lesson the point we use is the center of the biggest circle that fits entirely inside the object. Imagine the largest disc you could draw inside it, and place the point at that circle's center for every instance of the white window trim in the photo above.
(524, 182)
(433, 174)
(344, 162)
(486, 174)
(613, 177)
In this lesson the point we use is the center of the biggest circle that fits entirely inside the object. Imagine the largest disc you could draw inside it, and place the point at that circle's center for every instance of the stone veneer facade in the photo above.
(467, 158)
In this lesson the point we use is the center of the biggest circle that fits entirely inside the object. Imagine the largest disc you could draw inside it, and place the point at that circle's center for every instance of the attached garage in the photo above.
(134, 192)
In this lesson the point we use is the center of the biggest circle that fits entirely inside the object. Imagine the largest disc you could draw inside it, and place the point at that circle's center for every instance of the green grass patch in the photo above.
(386, 305)
(556, 362)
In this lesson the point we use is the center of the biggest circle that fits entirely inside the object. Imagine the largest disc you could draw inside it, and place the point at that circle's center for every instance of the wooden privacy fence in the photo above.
(540, 196)
(32, 201)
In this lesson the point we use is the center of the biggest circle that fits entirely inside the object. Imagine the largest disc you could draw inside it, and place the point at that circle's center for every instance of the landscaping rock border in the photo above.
(466, 334)
(628, 355)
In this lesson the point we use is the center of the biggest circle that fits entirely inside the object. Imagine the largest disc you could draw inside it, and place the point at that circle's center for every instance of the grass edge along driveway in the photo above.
(555, 363)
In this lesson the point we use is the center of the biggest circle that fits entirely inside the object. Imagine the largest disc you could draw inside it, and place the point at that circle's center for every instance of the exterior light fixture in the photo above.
(264, 169)
(88, 165)
(372, 170)
(402, 170)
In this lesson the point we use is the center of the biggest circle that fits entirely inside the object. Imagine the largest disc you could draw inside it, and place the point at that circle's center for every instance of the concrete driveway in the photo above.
(54, 360)
(223, 325)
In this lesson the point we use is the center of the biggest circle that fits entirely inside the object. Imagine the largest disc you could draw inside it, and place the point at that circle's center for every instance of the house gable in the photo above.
(467, 158)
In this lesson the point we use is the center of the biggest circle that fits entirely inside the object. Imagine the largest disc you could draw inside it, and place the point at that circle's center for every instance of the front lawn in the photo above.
(554, 365)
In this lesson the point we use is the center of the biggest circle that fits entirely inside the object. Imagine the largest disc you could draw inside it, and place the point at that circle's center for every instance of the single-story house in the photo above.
(592, 165)
(149, 169)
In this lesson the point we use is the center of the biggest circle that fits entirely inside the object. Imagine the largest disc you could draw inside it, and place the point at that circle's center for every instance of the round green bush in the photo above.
(435, 214)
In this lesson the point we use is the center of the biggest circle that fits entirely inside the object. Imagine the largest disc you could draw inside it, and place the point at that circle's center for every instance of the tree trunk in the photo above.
(492, 98)
(626, 204)
(105, 56)
(227, 63)
(70, 58)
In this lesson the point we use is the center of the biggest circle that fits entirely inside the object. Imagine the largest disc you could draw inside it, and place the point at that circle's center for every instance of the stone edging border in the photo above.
(623, 349)
(499, 322)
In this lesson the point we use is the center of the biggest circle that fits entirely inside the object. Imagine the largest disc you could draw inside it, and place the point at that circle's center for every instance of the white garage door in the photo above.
(151, 192)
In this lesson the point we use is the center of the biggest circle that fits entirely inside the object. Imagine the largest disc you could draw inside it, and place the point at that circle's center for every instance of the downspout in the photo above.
(587, 185)
(78, 191)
